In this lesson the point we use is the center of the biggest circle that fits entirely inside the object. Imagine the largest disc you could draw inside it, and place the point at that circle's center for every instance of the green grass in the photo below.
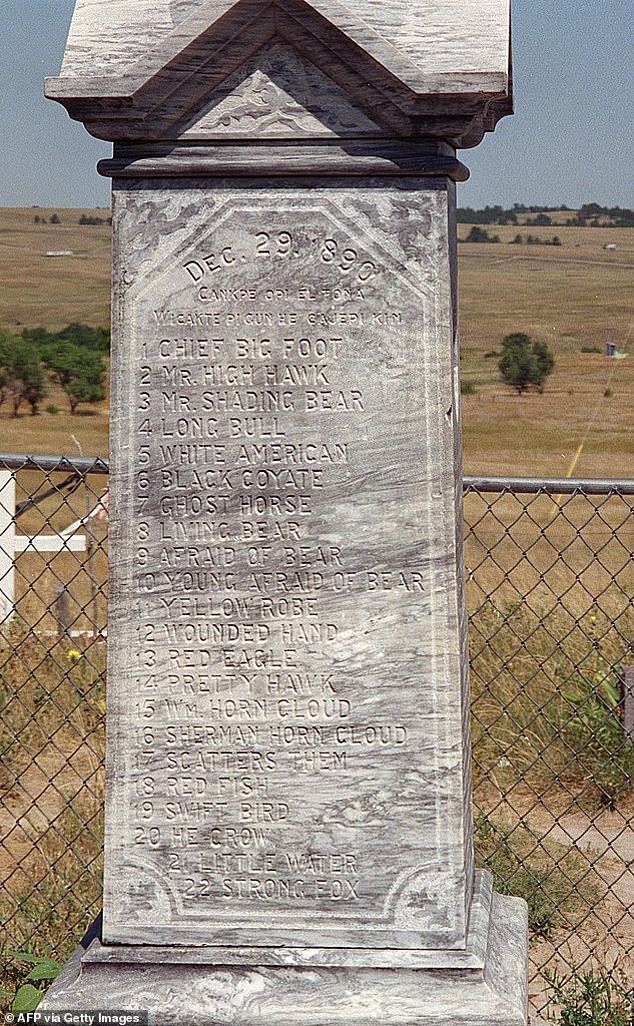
(553, 880)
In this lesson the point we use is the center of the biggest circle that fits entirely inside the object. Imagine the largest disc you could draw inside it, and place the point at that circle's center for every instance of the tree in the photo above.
(525, 365)
(55, 219)
(86, 337)
(481, 235)
(543, 365)
(80, 372)
(21, 374)
(79, 334)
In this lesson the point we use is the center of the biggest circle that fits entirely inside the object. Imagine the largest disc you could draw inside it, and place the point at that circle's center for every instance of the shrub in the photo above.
(22, 377)
(467, 388)
(79, 334)
(52, 409)
(590, 349)
(79, 372)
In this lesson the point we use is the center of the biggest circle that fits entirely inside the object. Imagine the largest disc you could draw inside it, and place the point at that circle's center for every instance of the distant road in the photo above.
(552, 259)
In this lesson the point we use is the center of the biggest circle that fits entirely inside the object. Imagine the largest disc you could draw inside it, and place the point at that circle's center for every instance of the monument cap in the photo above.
(439, 68)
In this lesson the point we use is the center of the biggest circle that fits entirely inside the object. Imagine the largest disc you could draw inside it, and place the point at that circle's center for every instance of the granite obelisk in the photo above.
(288, 808)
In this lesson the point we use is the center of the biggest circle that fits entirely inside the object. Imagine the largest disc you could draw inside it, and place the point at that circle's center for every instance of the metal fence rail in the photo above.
(550, 586)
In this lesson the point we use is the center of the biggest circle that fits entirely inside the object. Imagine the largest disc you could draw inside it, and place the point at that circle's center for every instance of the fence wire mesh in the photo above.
(550, 585)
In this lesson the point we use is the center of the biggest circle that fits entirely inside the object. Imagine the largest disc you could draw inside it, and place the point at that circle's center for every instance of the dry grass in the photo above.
(573, 296)
(56, 434)
(39, 576)
(544, 718)
(51, 743)
(53, 291)
(550, 583)
(552, 878)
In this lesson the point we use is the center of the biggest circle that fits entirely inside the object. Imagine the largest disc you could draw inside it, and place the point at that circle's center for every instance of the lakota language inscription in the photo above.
(285, 635)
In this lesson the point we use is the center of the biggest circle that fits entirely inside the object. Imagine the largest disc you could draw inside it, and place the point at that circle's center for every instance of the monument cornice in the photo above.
(353, 157)
(148, 97)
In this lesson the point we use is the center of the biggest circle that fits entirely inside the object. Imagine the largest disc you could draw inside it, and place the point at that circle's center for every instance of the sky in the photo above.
(570, 141)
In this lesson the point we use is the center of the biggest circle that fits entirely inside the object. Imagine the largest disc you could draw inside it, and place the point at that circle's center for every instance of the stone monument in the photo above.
(288, 807)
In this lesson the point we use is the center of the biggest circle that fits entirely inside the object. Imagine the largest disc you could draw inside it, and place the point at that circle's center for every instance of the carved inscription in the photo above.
(279, 580)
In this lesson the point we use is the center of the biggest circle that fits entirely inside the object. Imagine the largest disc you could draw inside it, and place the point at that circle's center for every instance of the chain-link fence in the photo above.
(550, 579)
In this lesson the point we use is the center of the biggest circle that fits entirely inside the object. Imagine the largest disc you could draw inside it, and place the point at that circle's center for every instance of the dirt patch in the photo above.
(605, 936)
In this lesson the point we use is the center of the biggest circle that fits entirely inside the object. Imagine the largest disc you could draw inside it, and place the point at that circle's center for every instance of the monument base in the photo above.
(181, 987)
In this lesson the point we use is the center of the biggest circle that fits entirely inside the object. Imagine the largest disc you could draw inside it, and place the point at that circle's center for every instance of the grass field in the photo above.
(574, 296)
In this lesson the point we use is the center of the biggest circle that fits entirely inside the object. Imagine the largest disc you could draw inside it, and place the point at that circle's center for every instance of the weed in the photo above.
(596, 997)
(51, 734)
(595, 732)
(27, 997)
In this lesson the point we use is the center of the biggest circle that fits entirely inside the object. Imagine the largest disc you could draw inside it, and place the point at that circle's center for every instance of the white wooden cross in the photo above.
(11, 543)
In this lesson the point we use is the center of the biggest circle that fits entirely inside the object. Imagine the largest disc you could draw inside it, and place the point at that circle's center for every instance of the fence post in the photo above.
(7, 544)
(628, 701)
(62, 611)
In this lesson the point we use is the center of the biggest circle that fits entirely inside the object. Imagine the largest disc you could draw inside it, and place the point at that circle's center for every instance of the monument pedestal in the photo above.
(482, 985)
(288, 811)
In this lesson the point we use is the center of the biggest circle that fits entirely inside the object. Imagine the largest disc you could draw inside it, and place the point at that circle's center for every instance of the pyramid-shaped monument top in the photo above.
(143, 69)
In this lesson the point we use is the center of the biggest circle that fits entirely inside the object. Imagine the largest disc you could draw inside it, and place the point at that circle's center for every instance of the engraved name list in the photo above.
(274, 718)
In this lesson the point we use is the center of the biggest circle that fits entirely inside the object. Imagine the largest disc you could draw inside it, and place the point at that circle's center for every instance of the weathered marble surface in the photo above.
(149, 70)
(437, 36)
(345, 75)
(328, 159)
(184, 991)
(471, 957)
(285, 569)
(277, 94)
